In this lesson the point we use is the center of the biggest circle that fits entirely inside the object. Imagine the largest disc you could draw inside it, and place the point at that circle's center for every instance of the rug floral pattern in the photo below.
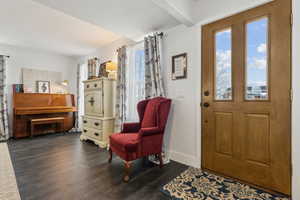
(195, 184)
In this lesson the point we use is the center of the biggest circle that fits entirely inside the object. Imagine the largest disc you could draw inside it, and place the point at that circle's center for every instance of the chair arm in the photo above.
(131, 127)
(150, 131)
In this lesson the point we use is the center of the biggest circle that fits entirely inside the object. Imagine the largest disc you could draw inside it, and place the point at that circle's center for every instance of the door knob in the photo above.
(205, 104)
(206, 93)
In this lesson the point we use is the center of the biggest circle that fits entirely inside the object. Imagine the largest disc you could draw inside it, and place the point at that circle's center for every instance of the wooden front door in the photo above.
(246, 100)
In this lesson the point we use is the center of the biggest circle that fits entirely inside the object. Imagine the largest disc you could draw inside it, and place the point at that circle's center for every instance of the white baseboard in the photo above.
(185, 159)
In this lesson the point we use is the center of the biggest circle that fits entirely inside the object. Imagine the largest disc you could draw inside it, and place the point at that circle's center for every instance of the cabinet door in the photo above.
(93, 103)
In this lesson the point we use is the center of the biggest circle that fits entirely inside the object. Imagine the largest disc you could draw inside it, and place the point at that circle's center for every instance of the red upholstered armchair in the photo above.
(144, 138)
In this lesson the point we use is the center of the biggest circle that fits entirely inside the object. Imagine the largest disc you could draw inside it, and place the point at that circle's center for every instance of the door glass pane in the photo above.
(257, 60)
(223, 84)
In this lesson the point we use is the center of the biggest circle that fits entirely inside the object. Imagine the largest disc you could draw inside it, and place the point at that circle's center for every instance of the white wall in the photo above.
(296, 101)
(29, 58)
(107, 52)
(183, 130)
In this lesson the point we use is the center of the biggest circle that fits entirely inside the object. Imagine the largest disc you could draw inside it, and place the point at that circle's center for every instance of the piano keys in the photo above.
(28, 106)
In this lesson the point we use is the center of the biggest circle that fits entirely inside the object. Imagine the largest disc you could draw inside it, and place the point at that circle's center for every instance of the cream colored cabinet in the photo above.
(98, 119)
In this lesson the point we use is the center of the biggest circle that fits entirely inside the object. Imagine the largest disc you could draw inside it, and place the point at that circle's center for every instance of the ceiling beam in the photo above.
(181, 10)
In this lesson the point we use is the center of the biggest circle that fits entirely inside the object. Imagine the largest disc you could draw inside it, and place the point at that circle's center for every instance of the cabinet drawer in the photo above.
(93, 85)
(87, 86)
(94, 133)
(97, 85)
(86, 122)
(96, 123)
(92, 123)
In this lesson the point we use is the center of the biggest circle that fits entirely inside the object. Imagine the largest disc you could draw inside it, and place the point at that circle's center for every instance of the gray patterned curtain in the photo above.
(76, 128)
(78, 80)
(4, 134)
(121, 98)
(154, 86)
(153, 76)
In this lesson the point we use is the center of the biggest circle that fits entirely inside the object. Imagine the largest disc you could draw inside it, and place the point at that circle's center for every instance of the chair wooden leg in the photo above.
(127, 171)
(161, 163)
(110, 155)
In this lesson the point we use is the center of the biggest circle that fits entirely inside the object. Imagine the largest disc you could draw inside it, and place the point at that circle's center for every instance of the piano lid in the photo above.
(42, 100)
(44, 110)
(34, 103)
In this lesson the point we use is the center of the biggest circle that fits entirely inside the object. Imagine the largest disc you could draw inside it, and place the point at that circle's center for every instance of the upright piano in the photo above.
(28, 106)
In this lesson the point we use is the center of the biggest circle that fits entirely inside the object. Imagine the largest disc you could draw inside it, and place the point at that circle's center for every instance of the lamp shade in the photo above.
(111, 66)
(65, 83)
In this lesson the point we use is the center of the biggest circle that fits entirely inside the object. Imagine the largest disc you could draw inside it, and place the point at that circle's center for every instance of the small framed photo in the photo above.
(43, 86)
(179, 66)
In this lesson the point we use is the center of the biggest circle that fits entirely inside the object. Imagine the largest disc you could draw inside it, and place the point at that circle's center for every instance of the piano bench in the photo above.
(59, 121)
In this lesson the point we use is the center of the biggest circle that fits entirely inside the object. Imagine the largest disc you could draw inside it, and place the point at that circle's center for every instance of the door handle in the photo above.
(206, 104)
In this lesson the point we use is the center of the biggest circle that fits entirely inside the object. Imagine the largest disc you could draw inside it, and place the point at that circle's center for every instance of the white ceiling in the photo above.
(27, 23)
(130, 18)
(79, 27)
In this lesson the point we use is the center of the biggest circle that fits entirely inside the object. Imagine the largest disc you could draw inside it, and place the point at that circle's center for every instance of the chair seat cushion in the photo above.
(127, 142)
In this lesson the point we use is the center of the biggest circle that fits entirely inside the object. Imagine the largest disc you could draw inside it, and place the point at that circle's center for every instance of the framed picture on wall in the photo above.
(43, 86)
(179, 66)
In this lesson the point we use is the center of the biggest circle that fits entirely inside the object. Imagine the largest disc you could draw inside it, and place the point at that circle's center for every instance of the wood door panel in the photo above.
(248, 136)
(224, 133)
(258, 138)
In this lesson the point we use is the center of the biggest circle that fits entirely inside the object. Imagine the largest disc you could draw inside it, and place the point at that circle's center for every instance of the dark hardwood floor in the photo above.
(61, 167)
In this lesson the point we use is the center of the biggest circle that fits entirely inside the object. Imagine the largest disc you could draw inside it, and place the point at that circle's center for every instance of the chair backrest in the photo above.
(154, 112)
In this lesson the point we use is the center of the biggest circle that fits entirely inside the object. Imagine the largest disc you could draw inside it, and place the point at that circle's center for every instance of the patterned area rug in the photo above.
(8, 184)
(195, 184)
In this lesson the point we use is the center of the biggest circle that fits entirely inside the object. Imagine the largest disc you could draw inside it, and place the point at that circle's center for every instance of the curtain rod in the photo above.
(136, 43)
(159, 34)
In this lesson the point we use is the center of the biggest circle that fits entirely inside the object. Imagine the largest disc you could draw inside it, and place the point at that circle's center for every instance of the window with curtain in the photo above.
(136, 80)
(83, 75)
